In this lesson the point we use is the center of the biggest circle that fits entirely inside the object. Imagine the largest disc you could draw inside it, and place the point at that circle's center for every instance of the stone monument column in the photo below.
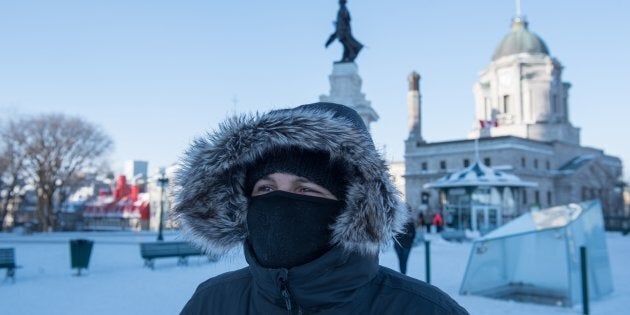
(414, 107)
(345, 82)
(345, 89)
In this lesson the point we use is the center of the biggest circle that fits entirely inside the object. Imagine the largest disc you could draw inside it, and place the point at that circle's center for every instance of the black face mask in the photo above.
(287, 230)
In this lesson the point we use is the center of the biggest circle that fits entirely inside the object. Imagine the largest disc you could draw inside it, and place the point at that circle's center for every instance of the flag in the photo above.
(488, 123)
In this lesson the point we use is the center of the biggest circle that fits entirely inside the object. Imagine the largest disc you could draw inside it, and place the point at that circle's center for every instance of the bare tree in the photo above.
(12, 166)
(57, 147)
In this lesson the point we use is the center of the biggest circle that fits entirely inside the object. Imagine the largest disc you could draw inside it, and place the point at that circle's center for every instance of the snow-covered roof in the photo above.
(478, 174)
(550, 218)
(576, 163)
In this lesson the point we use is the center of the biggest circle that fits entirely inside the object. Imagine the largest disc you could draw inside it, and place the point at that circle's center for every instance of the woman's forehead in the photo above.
(280, 176)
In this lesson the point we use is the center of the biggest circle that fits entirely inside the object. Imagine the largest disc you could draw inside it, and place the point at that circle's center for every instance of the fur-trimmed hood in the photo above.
(209, 199)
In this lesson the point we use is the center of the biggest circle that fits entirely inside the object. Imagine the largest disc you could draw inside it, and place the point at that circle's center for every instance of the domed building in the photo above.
(522, 91)
(521, 127)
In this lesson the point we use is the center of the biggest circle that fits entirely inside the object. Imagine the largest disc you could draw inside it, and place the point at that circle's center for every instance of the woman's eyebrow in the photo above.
(304, 180)
(266, 177)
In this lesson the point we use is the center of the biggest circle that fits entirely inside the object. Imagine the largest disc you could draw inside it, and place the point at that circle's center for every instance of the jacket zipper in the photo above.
(284, 290)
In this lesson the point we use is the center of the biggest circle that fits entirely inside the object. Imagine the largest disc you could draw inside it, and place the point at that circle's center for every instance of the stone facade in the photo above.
(397, 171)
(564, 172)
(522, 95)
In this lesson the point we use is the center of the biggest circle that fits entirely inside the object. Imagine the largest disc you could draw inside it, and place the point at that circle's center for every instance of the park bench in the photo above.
(152, 250)
(454, 235)
(7, 261)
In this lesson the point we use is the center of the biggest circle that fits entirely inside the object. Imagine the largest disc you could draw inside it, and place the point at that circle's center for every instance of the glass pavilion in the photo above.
(479, 198)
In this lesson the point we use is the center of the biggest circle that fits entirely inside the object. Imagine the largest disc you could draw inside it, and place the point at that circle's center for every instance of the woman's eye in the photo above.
(308, 190)
(265, 188)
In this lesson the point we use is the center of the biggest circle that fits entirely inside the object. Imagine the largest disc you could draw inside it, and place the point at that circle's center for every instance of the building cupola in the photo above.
(520, 40)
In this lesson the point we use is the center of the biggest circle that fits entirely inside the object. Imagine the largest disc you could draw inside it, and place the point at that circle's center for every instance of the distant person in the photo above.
(306, 194)
(403, 243)
(426, 219)
(438, 221)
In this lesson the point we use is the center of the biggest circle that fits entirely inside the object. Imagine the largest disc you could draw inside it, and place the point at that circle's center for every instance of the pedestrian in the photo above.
(306, 194)
(438, 222)
(403, 243)
(427, 221)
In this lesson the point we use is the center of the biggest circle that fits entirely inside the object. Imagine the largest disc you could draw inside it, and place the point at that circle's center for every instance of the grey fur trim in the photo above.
(211, 207)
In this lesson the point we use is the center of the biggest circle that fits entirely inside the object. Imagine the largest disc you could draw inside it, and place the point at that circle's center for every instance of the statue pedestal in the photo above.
(345, 89)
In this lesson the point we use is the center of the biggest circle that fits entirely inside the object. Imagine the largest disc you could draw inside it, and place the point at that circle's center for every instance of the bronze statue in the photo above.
(351, 46)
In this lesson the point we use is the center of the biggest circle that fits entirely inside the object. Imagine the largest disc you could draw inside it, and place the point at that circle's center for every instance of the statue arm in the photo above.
(331, 39)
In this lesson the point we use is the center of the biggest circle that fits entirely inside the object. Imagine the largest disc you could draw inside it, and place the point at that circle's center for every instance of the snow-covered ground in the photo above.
(117, 283)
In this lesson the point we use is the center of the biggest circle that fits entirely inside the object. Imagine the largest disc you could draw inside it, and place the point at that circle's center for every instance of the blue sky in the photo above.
(154, 74)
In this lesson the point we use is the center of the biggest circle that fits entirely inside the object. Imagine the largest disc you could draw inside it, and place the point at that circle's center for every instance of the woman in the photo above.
(305, 193)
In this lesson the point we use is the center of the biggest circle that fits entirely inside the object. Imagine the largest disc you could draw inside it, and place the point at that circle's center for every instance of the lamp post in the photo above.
(163, 181)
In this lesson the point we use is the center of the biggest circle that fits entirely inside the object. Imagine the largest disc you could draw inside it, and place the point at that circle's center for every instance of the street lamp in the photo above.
(163, 181)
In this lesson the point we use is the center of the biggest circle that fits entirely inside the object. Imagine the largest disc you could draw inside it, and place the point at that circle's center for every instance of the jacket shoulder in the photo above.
(226, 279)
(220, 293)
(406, 295)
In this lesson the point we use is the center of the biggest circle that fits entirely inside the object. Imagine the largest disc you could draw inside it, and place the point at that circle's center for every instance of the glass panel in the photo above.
(493, 219)
(481, 196)
(495, 196)
(536, 257)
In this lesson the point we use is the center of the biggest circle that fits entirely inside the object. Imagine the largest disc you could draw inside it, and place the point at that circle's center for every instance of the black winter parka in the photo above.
(336, 283)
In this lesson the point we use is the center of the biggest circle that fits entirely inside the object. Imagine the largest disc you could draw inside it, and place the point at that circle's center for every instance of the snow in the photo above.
(118, 283)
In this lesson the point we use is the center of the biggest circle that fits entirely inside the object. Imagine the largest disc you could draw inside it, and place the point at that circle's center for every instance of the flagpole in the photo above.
(484, 124)
(477, 149)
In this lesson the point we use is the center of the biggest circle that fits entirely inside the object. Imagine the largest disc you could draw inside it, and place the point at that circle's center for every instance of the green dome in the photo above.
(520, 40)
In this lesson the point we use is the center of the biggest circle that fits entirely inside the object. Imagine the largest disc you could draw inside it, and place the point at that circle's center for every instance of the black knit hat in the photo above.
(315, 166)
